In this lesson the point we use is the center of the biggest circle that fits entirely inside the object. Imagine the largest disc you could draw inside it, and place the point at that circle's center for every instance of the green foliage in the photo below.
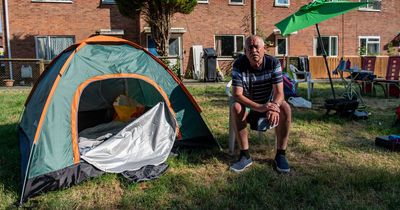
(391, 49)
(174, 67)
(158, 14)
(362, 51)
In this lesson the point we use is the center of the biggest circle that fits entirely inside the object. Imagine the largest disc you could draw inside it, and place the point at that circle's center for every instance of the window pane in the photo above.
(283, 1)
(282, 46)
(236, 1)
(108, 1)
(239, 43)
(224, 45)
(373, 49)
(173, 47)
(373, 4)
(363, 42)
(325, 41)
(58, 44)
(333, 46)
(41, 47)
(151, 46)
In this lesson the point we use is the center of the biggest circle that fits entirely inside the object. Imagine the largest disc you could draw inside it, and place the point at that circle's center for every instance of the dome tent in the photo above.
(77, 91)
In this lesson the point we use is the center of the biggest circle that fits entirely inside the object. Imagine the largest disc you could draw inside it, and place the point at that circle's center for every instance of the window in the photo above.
(174, 46)
(53, 1)
(369, 45)
(239, 2)
(227, 45)
(48, 47)
(281, 46)
(330, 44)
(373, 5)
(108, 1)
(282, 3)
(202, 1)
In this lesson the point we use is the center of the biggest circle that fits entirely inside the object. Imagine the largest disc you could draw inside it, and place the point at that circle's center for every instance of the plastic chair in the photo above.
(391, 81)
(306, 77)
(367, 63)
(232, 136)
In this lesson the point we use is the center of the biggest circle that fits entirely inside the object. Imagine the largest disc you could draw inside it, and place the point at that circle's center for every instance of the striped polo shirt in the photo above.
(257, 83)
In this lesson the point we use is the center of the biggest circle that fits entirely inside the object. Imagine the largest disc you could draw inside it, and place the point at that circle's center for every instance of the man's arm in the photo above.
(237, 93)
(279, 95)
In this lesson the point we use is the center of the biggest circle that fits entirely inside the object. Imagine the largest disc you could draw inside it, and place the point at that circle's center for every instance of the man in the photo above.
(257, 85)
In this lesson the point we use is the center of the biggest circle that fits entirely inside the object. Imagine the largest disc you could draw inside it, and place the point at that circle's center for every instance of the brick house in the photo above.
(42, 28)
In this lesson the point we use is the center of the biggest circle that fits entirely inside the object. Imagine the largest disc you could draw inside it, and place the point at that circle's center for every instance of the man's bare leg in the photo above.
(239, 118)
(282, 130)
(282, 136)
(239, 122)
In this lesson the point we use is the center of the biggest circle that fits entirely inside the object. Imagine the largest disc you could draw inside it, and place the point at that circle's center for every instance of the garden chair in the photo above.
(367, 63)
(391, 81)
(232, 136)
(302, 76)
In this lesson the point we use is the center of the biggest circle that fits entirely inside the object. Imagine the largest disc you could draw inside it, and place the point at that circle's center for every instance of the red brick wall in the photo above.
(84, 17)
(80, 19)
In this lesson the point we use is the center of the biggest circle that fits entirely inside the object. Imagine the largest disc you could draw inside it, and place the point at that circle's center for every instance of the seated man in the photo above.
(257, 84)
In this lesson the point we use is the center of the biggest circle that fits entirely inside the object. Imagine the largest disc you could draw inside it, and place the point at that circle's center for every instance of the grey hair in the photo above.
(251, 37)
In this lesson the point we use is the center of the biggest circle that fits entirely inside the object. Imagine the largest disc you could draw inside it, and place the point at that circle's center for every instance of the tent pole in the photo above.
(325, 59)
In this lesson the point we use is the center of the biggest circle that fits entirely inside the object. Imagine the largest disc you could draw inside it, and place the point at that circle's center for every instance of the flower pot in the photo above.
(8, 82)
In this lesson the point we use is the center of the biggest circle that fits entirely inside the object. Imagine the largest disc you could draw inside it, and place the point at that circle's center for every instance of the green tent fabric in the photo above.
(77, 90)
(313, 13)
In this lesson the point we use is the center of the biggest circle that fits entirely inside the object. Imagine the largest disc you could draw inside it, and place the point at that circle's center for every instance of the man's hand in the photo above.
(273, 117)
(268, 107)
(273, 107)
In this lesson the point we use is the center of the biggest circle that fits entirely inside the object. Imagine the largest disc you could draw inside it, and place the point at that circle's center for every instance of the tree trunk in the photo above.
(159, 22)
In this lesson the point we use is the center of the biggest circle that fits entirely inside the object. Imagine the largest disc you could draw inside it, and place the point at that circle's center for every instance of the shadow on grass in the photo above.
(9, 158)
(323, 186)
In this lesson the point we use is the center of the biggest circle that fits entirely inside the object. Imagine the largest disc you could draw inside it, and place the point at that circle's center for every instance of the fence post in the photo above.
(41, 66)
(180, 57)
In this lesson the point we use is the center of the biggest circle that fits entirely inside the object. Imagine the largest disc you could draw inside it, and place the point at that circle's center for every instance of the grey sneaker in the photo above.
(242, 164)
(282, 165)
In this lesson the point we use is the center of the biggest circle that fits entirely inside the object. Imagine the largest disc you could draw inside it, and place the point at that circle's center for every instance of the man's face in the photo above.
(255, 51)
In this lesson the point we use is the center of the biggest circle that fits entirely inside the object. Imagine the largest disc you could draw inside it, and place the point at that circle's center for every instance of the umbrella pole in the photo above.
(326, 61)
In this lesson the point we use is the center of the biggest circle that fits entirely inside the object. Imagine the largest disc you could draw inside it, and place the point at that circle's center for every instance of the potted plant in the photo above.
(8, 82)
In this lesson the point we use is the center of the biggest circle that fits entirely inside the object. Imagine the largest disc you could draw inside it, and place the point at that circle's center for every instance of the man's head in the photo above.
(254, 49)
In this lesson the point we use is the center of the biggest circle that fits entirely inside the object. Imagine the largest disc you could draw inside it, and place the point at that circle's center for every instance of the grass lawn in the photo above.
(334, 161)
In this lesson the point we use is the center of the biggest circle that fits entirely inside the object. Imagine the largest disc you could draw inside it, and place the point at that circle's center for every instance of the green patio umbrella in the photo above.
(314, 13)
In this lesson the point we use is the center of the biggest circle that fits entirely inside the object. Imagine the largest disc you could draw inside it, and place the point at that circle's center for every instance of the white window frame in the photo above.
(370, 42)
(234, 44)
(108, 2)
(330, 45)
(236, 3)
(368, 7)
(47, 56)
(53, 1)
(276, 45)
(202, 1)
(278, 4)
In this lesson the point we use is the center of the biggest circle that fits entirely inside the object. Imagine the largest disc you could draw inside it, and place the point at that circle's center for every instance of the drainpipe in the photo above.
(7, 26)
(253, 17)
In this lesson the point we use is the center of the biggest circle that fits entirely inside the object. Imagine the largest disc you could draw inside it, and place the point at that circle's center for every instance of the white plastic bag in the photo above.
(300, 102)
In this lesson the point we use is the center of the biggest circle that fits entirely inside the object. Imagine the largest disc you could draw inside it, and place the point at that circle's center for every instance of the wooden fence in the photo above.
(317, 65)
(318, 69)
